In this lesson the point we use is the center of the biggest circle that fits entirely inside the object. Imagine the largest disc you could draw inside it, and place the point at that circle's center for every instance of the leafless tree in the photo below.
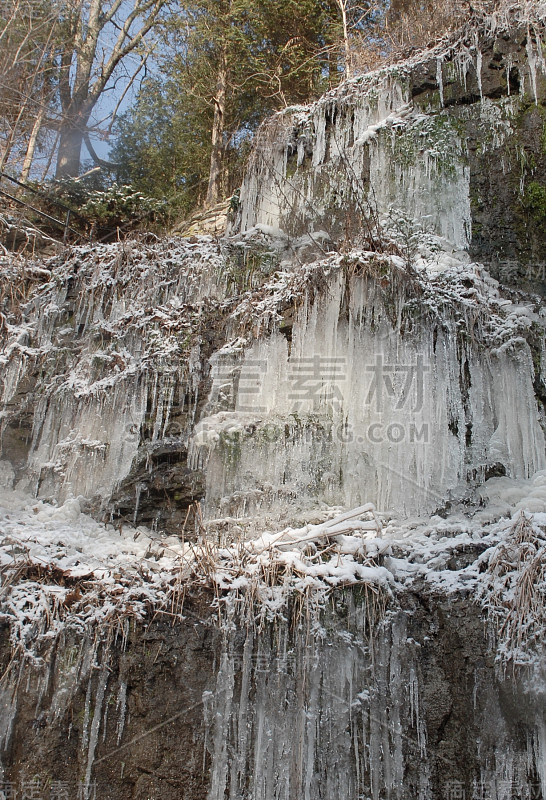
(27, 44)
(99, 36)
(356, 21)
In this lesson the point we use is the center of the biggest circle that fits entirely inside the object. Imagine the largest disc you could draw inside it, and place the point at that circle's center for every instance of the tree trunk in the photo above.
(70, 146)
(52, 152)
(346, 44)
(6, 152)
(27, 163)
(11, 138)
(214, 191)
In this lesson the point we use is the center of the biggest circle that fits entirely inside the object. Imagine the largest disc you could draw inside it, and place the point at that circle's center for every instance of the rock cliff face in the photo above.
(360, 338)
(455, 138)
(391, 369)
(183, 713)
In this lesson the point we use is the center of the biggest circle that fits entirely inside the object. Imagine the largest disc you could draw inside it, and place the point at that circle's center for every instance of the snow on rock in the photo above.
(367, 144)
(400, 378)
(86, 572)
(59, 566)
(112, 342)
(348, 381)
(340, 348)
(403, 387)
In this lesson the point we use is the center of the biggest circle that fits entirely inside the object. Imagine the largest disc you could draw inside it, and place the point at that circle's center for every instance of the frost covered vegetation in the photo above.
(62, 569)
(116, 341)
(335, 406)
(164, 382)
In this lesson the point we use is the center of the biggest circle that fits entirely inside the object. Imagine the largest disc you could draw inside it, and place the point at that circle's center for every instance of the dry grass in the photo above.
(257, 584)
(410, 26)
(516, 601)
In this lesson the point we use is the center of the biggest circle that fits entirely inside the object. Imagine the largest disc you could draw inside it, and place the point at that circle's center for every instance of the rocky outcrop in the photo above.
(454, 138)
(126, 348)
(117, 717)
(338, 416)
(413, 707)
(205, 222)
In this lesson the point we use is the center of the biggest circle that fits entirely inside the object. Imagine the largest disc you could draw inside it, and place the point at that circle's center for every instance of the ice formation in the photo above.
(376, 397)
(399, 388)
(331, 709)
(397, 373)
(348, 399)
(336, 719)
(113, 342)
(372, 144)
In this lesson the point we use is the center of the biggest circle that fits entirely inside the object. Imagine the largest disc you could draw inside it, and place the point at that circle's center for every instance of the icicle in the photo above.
(331, 718)
(95, 724)
(440, 80)
(224, 693)
(121, 707)
(138, 491)
(532, 61)
(479, 64)
(8, 711)
(105, 717)
(540, 753)
(86, 716)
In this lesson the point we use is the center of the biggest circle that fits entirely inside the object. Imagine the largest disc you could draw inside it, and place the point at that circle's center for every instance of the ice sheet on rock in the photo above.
(375, 397)
(360, 144)
(113, 342)
(126, 569)
(333, 699)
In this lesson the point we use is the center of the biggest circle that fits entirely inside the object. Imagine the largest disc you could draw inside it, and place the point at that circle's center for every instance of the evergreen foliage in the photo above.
(226, 65)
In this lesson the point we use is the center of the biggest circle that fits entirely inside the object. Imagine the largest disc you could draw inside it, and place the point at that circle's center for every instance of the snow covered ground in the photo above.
(59, 566)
